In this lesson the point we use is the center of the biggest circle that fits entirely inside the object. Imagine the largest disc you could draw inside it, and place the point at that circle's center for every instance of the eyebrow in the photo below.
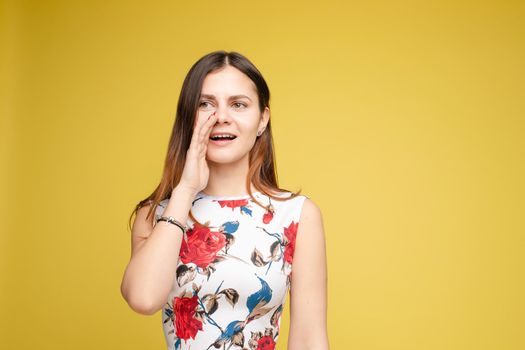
(212, 97)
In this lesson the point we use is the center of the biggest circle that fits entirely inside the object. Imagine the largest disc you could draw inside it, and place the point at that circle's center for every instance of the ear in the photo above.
(265, 117)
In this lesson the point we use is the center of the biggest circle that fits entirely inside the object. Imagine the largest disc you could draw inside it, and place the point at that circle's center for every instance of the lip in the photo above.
(221, 143)
(222, 133)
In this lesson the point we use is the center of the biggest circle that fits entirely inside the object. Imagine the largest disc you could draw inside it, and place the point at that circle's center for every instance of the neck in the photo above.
(228, 179)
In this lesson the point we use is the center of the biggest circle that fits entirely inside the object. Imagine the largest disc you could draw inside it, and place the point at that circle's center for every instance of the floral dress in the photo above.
(233, 273)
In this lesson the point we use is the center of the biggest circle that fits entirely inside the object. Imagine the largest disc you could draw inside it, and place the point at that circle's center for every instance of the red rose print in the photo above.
(185, 322)
(202, 245)
(268, 216)
(290, 233)
(266, 343)
(233, 203)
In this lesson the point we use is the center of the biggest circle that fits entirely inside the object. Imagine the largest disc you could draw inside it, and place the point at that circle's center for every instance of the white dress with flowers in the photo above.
(233, 274)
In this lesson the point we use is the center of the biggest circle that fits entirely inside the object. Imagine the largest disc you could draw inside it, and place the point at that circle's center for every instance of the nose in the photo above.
(223, 114)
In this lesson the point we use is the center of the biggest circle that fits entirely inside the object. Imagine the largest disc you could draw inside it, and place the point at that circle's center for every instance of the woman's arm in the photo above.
(150, 273)
(308, 290)
(151, 270)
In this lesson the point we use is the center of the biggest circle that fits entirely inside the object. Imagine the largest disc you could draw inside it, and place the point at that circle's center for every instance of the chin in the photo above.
(222, 158)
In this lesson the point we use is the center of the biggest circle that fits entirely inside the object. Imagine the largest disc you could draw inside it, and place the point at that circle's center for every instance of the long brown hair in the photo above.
(262, 171)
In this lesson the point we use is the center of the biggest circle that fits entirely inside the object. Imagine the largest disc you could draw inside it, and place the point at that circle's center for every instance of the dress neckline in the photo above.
(245, 196)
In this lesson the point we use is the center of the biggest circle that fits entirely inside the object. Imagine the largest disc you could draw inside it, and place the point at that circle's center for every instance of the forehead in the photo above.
(228, 81)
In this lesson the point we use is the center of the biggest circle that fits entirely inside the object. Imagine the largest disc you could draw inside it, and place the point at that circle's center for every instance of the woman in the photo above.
(213, 245)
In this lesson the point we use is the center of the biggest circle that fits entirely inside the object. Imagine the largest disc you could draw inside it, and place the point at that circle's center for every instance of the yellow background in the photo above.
(403, 120)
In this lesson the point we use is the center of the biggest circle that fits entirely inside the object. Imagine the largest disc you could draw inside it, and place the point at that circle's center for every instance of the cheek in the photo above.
(247, 126)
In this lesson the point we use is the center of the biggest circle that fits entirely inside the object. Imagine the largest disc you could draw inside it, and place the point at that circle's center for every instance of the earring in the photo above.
(259, 133)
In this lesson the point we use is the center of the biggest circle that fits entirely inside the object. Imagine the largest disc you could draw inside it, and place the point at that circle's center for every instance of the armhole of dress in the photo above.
(297, 218)
(300, 207)
(159, 210)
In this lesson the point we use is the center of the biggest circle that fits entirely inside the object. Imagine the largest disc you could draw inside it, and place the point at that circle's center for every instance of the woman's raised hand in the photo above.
(196, 172)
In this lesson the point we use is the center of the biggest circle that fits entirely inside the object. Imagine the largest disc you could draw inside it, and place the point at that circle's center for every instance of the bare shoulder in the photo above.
(142, 225)
(310, 213)
(142, 228)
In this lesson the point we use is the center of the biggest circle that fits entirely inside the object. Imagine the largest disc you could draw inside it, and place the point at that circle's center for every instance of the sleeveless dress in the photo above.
(233, 274)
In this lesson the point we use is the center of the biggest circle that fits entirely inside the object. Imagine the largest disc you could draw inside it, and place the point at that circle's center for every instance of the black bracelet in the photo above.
(171, 220)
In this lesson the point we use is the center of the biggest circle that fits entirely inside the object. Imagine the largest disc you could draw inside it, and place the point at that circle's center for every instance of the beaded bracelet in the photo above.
(171, 220)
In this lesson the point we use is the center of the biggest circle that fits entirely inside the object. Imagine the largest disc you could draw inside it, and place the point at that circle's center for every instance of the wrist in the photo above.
(184, 191)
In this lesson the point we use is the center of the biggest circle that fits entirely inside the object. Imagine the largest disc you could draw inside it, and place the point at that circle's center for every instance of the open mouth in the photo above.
(223, 138)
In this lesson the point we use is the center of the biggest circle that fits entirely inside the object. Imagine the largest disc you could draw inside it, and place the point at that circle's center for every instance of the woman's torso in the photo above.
(233, 273)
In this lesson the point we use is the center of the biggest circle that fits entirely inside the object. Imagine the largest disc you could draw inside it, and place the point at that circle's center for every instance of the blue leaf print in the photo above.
(261, 297)
(168, 312)
(246, 210)
(230, 226)
(233, 328)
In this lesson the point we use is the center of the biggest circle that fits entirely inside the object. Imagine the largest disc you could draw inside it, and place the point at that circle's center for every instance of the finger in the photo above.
(204, 132)
(195, 138)
(213, 120)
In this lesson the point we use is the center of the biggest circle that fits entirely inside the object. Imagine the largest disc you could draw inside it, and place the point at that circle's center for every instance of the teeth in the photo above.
(214, 137)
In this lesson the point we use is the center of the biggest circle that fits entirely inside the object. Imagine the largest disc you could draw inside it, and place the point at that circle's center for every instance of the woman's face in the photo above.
(233, 97)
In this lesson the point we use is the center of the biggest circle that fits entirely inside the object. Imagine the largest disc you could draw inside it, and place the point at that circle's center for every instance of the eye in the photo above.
(203, 103)
(239, 104)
